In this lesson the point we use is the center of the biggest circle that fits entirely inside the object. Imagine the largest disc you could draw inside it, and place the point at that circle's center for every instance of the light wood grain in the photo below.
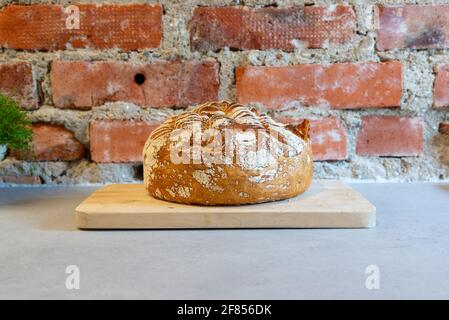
(327, 204)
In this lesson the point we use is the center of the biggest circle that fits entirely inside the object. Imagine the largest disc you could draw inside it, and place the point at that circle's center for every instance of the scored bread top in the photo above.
(226, 153)
(229, 115)
(247, 127)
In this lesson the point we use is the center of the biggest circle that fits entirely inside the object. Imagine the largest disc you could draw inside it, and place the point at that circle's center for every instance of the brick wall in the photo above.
(373, 78)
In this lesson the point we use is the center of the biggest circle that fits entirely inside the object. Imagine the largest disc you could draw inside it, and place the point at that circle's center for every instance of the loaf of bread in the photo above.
(223, 153)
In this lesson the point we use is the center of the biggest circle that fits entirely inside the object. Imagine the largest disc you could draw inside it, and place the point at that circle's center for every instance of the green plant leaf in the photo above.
(15, 127)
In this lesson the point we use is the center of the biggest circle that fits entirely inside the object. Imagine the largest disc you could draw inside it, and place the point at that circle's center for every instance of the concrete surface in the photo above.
(410, 246)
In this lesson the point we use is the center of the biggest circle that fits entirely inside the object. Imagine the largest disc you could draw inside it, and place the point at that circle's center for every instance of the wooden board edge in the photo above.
(233, 221)
(81, 219)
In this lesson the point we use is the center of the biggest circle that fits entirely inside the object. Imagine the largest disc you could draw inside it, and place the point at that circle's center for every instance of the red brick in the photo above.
(412, 26)
(53, 143)
(340, 86)
(444, 128)
(441, 87)
(271, 28)
(17, 81)
(328, 137)
(81, 84)
(20, 180)
(119, 140)
(390, 136)
(43, 27)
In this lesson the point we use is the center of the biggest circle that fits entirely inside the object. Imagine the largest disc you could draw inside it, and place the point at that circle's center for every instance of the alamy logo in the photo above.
(72, 22)
(72, 282)
(194, 145)
(372, 281)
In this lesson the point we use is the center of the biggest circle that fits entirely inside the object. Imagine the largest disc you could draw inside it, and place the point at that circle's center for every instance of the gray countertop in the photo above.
(410, 247)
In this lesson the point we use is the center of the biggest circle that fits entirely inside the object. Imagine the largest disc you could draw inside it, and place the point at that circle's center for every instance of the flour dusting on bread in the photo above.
(226, 153)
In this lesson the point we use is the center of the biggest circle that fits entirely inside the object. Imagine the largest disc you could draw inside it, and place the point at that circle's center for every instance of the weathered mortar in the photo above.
(418, 72)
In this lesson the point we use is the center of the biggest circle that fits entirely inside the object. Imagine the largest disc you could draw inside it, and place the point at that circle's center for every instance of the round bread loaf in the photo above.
(223, 153)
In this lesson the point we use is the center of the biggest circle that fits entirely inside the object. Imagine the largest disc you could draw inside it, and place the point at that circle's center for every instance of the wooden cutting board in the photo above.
(327, 204)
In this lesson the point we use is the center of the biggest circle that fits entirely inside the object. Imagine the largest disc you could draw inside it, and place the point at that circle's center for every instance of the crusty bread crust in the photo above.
(280, 166)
